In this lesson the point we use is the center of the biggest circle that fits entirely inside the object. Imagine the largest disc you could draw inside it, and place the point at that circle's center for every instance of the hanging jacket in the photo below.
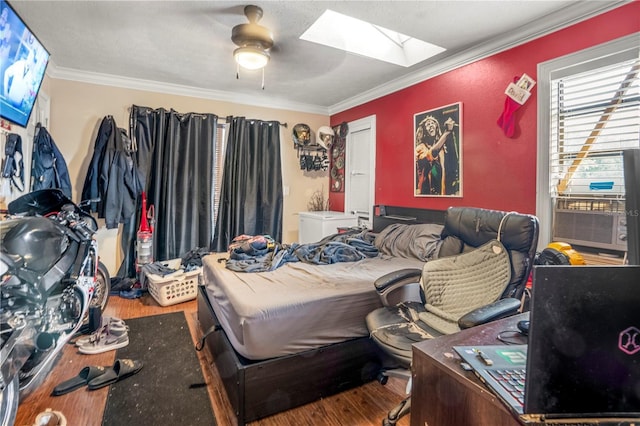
(12, 164)
(113, 176)
(123, 184)
(49, 169)
(95, 184)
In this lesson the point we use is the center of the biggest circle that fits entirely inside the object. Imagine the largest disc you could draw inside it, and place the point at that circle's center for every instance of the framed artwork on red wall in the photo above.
(438, 152)
(336, 184)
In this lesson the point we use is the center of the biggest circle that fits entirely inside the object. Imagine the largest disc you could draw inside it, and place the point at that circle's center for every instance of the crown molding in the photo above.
(62, 73)
(539, 28)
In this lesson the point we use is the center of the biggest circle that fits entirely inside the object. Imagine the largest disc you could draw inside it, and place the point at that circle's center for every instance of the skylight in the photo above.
(343, 32)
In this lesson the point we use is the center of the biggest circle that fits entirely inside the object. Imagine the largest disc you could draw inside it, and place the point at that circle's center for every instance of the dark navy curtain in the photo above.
(251, 194)
(176, 155)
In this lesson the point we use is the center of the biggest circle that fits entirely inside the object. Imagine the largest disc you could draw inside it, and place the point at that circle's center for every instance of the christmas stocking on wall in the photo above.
(507, 120)
(517, 94)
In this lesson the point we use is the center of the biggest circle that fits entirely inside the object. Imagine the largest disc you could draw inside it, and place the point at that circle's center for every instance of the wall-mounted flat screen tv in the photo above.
(23, 60)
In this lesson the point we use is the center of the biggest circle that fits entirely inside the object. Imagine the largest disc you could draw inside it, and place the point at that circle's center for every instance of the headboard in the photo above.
(384, 216)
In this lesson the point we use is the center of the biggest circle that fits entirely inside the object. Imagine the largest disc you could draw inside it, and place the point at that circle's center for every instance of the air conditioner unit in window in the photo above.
(600, 228)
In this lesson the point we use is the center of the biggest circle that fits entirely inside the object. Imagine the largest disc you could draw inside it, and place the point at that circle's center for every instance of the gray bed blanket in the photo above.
(419, 241)
(350, 246)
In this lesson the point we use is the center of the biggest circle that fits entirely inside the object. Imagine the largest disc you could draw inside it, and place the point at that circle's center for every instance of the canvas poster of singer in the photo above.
(438, 152)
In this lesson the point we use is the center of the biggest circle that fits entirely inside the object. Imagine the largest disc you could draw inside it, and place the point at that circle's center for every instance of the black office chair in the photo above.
(457, 290)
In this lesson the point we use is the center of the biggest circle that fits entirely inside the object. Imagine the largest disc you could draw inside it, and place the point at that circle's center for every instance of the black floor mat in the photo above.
(170, 389)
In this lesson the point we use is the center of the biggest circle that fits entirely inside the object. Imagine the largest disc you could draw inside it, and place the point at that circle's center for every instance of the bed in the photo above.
(296, 334)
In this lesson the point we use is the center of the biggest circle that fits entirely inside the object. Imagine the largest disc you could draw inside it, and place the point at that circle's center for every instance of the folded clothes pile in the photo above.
(158, 268)
(193, 258)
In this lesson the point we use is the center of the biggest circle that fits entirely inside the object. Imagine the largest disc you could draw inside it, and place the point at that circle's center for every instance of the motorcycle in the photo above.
(51, 278)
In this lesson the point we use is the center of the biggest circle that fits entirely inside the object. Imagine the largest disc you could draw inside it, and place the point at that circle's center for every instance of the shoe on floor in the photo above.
(113, 338)
(121, 369)
(109, 325)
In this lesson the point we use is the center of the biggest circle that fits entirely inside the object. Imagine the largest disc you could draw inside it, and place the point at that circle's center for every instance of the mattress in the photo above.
(298, 306)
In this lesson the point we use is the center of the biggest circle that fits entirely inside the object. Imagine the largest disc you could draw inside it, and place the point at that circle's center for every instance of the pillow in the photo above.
(420, 241)
(451, 245)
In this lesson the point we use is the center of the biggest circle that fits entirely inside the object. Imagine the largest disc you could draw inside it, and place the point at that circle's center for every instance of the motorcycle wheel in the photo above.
(9, 403)
(103, 287)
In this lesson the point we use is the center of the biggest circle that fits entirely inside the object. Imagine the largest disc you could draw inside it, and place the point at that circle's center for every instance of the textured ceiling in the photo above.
(187, 45)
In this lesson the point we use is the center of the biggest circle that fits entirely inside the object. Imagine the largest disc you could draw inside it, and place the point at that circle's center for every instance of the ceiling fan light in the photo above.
(251, 58)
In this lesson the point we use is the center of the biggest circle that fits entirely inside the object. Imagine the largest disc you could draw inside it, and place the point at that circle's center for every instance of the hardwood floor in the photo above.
(362, 406)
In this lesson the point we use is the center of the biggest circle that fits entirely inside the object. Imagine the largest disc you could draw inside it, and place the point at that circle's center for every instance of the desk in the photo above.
(445, 395)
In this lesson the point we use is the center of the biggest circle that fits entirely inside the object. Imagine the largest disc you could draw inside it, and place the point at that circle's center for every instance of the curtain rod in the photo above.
(230, 117)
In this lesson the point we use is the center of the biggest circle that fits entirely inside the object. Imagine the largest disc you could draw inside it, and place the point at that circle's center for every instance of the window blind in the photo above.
(594, 116)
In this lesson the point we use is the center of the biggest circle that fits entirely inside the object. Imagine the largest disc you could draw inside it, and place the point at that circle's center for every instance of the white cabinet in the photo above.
(314, 226)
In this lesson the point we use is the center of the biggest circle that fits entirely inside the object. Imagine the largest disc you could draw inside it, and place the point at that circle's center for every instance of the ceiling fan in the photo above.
(253, 41)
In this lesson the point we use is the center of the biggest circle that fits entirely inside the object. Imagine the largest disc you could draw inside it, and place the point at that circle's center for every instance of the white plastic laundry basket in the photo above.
(174, 288)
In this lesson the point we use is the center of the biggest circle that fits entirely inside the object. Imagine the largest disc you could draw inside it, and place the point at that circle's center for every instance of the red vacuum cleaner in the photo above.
(144, 241)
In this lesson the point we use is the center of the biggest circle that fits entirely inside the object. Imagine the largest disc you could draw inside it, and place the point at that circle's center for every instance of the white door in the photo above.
(360, 169)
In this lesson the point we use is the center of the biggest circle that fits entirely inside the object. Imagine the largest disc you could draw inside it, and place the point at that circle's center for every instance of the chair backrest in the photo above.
(470, 227)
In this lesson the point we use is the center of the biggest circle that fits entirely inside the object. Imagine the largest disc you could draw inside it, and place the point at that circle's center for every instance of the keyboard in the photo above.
(512, 380)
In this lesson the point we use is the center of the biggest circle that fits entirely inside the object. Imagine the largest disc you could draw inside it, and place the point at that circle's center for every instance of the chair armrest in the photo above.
(496, 310)
(403, 284)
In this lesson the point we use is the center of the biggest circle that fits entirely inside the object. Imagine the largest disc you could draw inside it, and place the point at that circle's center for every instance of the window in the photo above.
(589, 111)
(594, 116)
(218, 168)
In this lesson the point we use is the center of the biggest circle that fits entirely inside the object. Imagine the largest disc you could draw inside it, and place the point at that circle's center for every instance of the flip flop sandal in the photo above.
(86, 374)
(121, 369)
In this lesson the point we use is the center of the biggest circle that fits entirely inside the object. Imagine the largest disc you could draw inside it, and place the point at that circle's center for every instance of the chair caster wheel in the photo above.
(388, 422)
(382, 378)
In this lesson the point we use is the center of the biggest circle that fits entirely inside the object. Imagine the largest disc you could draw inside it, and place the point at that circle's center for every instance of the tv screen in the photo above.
(23, 61)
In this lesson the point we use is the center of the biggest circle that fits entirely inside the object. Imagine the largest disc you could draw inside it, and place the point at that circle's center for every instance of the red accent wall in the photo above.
(497, 172)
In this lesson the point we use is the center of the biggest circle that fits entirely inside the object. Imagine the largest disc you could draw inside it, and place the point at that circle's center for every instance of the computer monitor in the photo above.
(631, 162)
